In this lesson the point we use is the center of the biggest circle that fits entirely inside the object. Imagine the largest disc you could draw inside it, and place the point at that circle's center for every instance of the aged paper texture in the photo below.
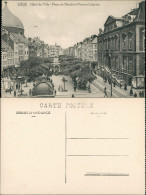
(72, 106)
(82, 146)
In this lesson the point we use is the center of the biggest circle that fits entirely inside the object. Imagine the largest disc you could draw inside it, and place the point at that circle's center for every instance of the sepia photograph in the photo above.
(72, 97)
(71, 49)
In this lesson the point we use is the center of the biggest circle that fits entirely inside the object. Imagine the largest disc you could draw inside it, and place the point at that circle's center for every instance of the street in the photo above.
(57, 80)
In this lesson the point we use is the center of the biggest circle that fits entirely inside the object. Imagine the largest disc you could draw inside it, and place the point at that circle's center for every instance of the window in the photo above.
(109, 44)
(113, 44)
(124, 63)
(106, 44)
(130, 64)
(142, 39)
(130, 41)
(116, 43)
(124, 41)
(116, 62)
(112, 62)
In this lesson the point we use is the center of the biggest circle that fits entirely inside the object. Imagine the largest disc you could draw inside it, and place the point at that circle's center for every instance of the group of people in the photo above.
(60, 88)
(141, 93)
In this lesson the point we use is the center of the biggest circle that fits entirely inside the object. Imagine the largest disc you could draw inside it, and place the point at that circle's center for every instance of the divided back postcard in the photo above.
(72, 97)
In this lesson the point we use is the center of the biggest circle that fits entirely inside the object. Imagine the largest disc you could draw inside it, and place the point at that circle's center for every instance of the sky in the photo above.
(67, 25)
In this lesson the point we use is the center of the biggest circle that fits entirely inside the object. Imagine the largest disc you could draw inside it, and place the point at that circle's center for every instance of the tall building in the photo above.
(10, 22)
(121, 47)
(85, 50)
(89, 49)
(55, 51)
(13, 35)
(7, 56)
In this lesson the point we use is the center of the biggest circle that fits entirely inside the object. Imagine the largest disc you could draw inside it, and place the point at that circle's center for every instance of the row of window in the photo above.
(4, 62)
(126, 41)
(109, 44)
(10, 54)
(127, 63)
(4, 56)
(10, 61)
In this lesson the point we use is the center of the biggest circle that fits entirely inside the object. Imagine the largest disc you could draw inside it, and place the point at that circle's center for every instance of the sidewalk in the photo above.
(117, 92)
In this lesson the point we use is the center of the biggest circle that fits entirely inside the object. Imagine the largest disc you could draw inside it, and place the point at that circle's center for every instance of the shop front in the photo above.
(138, 82)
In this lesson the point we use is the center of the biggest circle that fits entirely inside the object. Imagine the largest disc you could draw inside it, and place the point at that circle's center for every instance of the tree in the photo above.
(78, 70)
(34, 67)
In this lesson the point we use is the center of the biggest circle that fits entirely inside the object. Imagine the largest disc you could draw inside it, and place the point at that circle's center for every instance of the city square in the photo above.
(109, 64)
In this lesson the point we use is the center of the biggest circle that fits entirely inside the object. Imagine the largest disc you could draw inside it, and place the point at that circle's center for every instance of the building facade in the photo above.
(55, 51)
(121, 47)
(7, 55)
(12, 35)
(85, 50)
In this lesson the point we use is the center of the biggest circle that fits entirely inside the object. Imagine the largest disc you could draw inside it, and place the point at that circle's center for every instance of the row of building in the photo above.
(119, 48)
(85, 50)
(16, 47)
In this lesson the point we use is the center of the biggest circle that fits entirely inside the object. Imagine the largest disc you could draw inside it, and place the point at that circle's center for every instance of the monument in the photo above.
(56, 64)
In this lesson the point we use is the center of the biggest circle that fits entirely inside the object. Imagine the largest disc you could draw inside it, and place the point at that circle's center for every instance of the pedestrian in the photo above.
(74, 88)
(120, 85)
(30, 92)
(114, 83)
(140, 94)
(15, 93)
(135, 95)
(73, 96)
(16, 86)
(10, 89)
(89, 89)
(105, 93)
(131, 92)
(125, 87)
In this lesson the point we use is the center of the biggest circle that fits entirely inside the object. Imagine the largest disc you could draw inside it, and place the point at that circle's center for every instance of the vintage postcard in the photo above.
(73, 97)
(73, 49)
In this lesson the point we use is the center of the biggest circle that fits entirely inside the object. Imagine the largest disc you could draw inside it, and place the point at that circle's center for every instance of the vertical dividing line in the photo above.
(65, 147)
